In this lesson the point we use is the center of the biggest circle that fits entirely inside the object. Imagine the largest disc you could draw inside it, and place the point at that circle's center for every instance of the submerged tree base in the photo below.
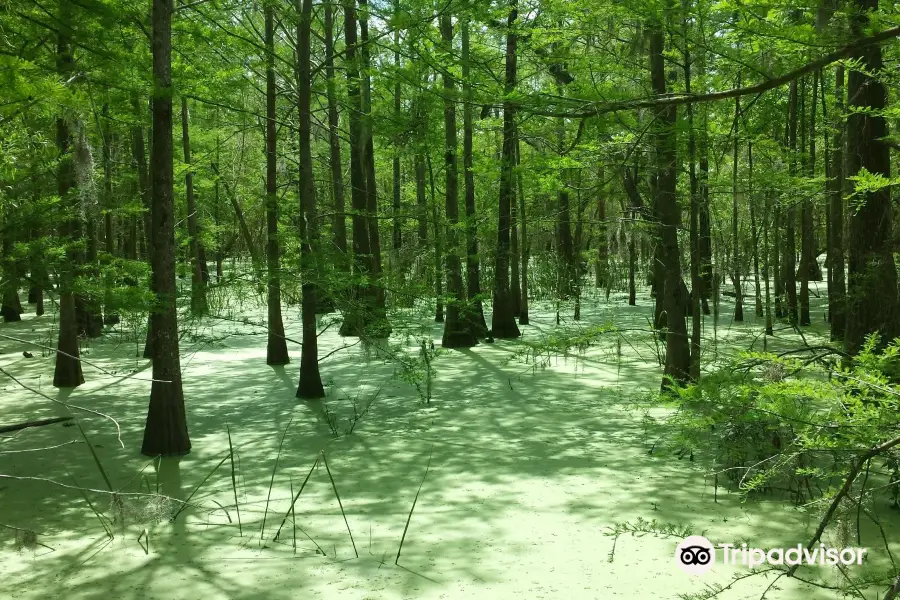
(459, 339)
(165, 432)
(276, 347)
(358, 325)
(310, 387)
(9, 314)
(506, 330)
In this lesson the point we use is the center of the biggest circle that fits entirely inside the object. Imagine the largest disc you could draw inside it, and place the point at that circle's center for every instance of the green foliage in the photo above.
(769, 421)
(562, 343)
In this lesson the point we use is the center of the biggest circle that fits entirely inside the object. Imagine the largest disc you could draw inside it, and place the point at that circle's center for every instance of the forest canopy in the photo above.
(508, 170)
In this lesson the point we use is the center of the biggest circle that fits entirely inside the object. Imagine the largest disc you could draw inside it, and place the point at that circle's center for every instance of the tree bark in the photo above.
(475, 310)
(635, 206)
(310, 385)
(766, 265)
(165, 432)
(735, 232)
(276, 346)
(566, 254)
(515, 285)
(139, 155)
(397, 235)
(199, 305)
(704, 240)
(108, 200)
(601, 272)
(872, 303)
(361, 302)
(67, 372)
(10, 306)
(789, 266)
(241, 219)
(754, 231)
(696, 318)
(438, 247)
(457, 330)
(339, 222)
(110, 315)
(421, 196)
(503, 323)
(837, 289)
(381, 323)
(523, 241)
(88, 311)
(806, 220)
(677, 367)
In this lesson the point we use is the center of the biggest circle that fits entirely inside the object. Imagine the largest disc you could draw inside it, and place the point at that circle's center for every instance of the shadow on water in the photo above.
(529, 466)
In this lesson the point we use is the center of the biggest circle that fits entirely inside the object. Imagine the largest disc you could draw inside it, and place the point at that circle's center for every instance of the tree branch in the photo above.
(679, 99)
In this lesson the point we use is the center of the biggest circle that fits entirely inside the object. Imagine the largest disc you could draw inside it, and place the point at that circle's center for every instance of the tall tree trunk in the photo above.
(677, 366)
(310, 385)
(139, 155)
(837, 289)
(777, 242)
(564, 221)
(806, 218)
(111, 318)
(360, 311)
(40, 280)
(503, 322)
(165, 432)
(523, 246)
(381, 324)
(789, 266)
(438, 246)
(601, 272)
(67, 372)
(735, 240)
(276, 346)
(754, 231)
(766, 256)
(696, 318)
(10, 306)
(704, 240)
(216, 207)
(199, 305)
(635, 208)
(475, 310)
(421, 196)
(397, 236)
(241, 219)
(457, 330)
(88, 312)
(872, 303)
(339, 222)
(578, 243)
(514, 284)
(108, 203)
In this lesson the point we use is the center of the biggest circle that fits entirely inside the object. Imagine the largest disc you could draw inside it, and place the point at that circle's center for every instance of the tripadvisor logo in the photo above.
(696, 555)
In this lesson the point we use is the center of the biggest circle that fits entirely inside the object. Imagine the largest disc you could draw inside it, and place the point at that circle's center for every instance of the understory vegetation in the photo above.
(427, 297)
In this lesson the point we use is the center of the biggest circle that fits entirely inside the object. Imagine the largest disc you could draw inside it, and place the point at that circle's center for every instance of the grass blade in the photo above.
(100, 517)
(199, 485)
(94, 454)
(234, 481)
(416, 499)
(338, 496)
(224, 510)
(262, 529)
(293, 521)
(294, 501)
